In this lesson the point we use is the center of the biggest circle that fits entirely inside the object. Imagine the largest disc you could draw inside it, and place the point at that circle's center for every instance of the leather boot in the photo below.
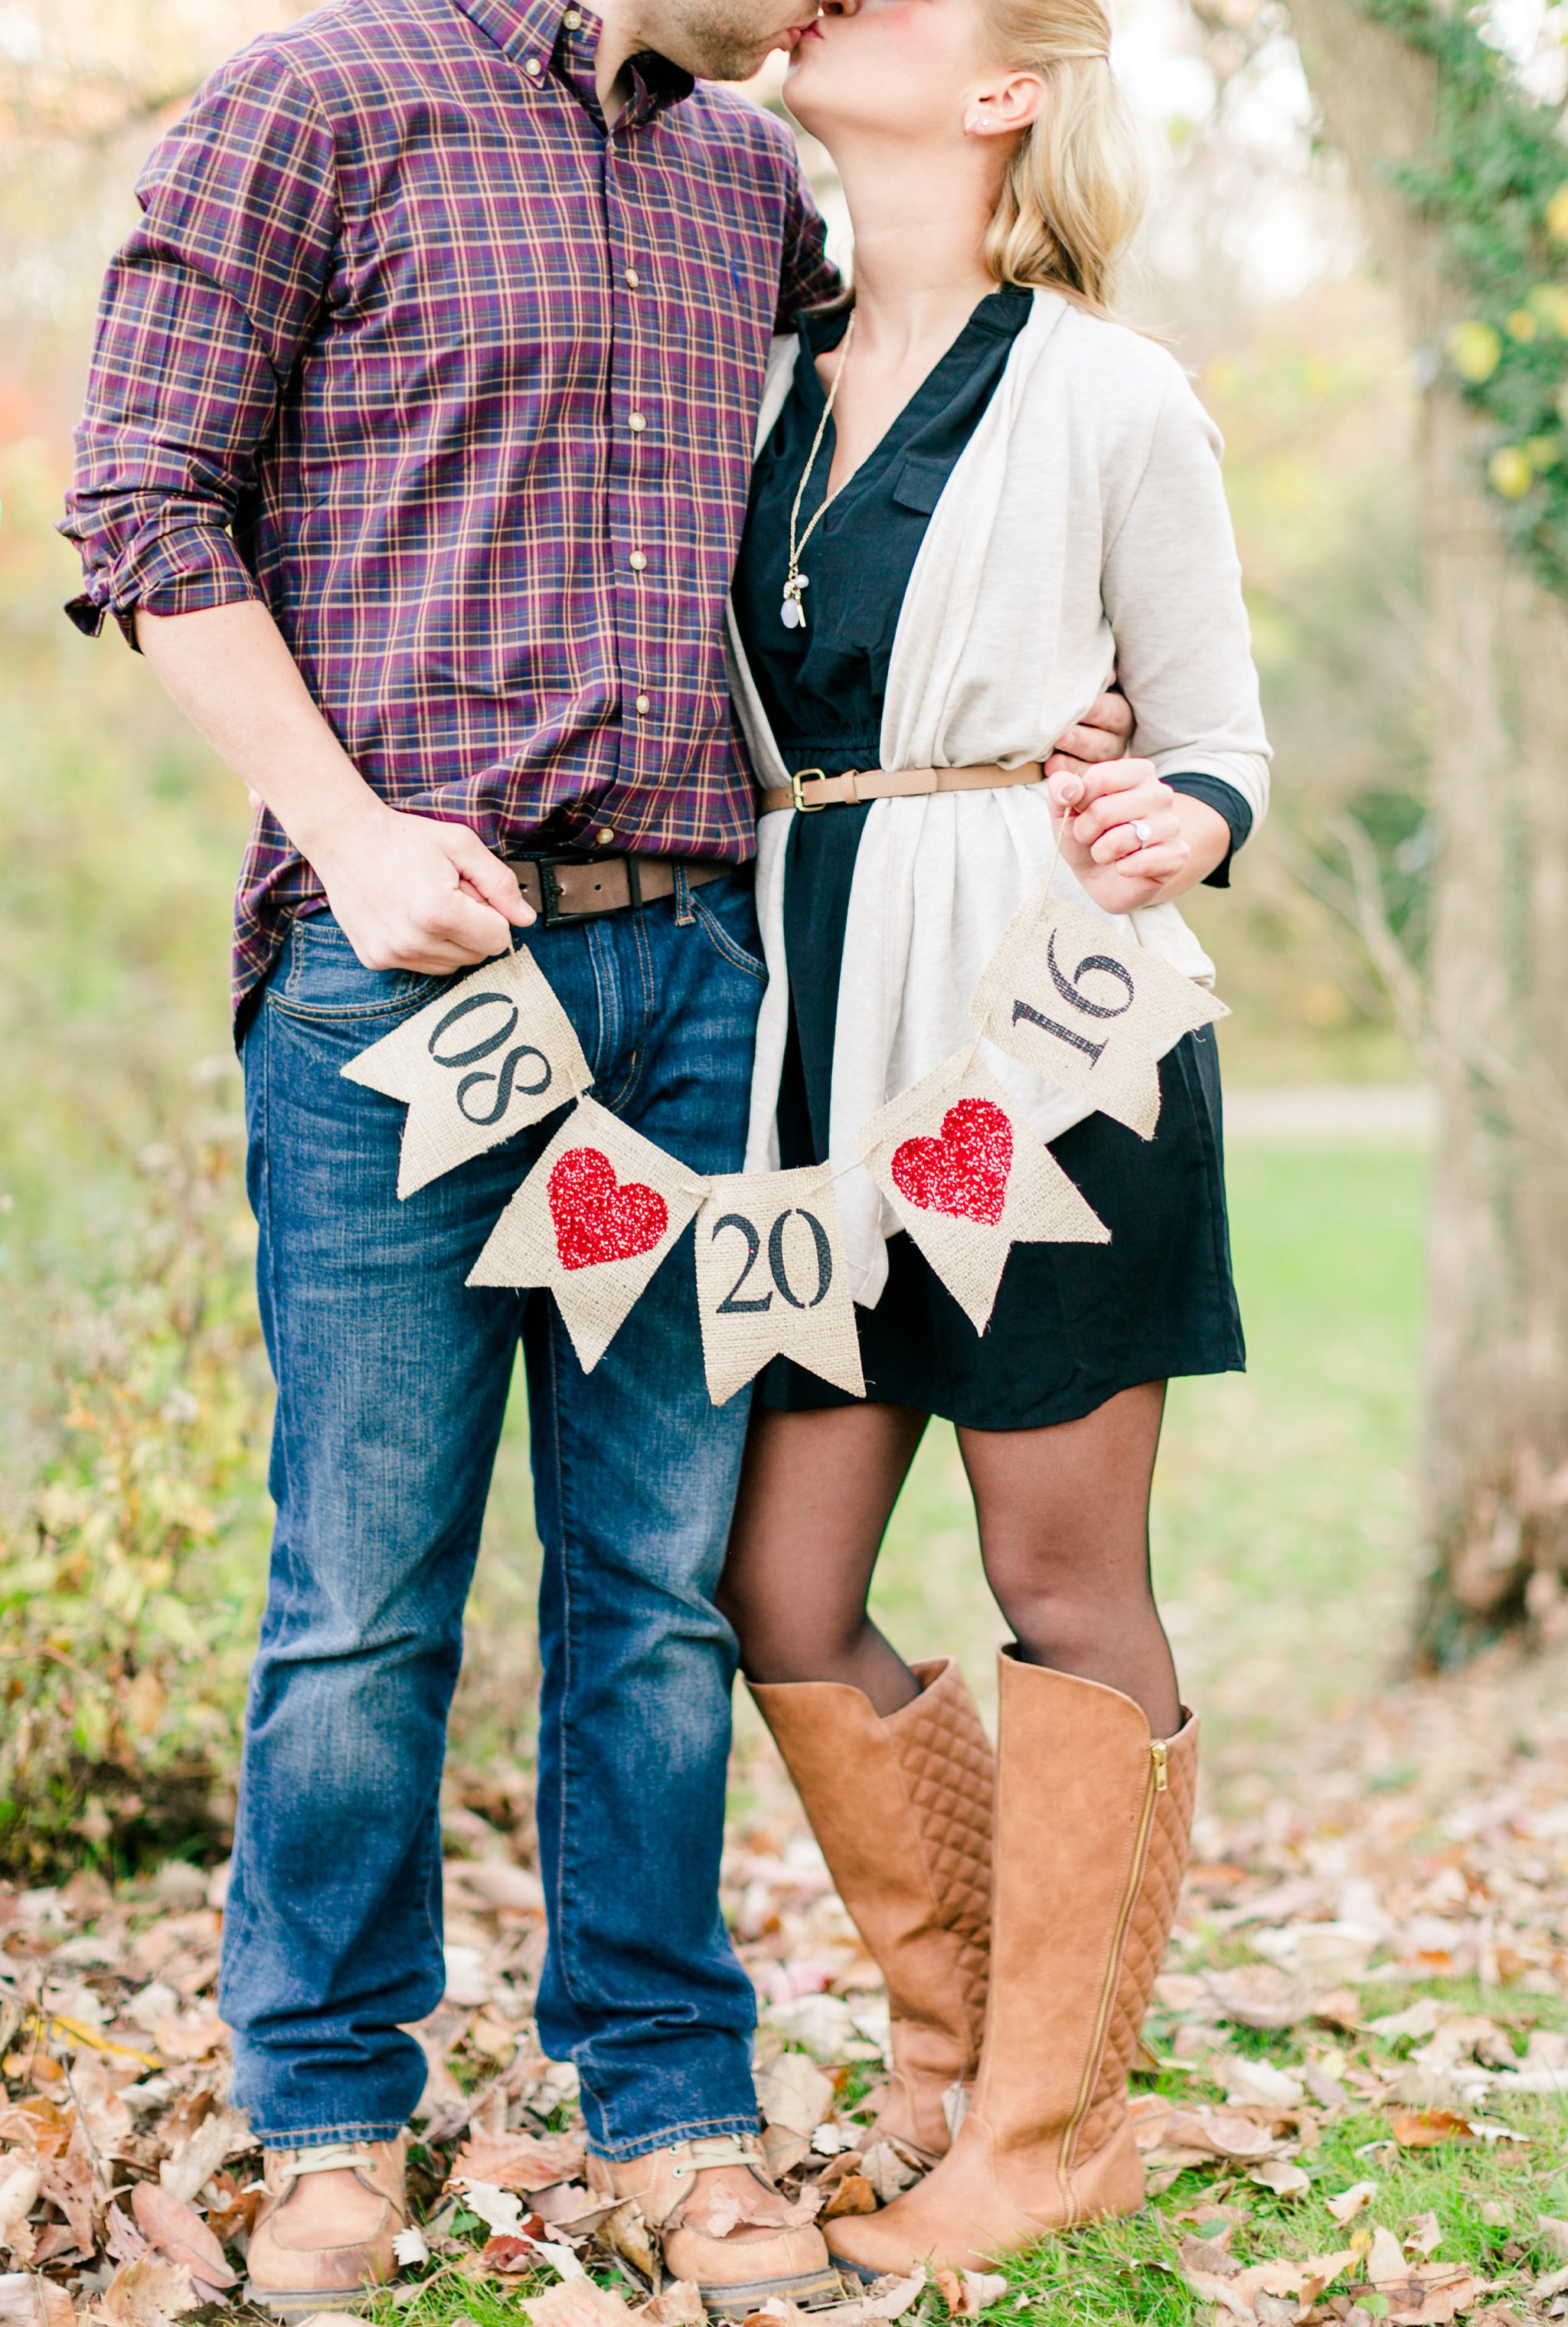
(291, 2278)
(1092, 1824)
(901, 1806)
(759, 2253)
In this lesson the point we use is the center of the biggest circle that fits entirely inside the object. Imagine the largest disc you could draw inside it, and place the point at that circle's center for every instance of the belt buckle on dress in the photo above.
(803, 807)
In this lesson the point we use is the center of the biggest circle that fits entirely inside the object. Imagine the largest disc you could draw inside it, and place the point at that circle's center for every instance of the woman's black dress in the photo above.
(1073, 1324)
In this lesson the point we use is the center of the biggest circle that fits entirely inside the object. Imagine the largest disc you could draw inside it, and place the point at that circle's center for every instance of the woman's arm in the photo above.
(1171, 587)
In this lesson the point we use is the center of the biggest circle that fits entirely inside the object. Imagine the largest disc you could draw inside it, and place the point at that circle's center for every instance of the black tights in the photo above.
(1064, 1533)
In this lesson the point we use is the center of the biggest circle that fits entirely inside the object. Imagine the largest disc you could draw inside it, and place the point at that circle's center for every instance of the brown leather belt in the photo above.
(580, 890)
(808, 789)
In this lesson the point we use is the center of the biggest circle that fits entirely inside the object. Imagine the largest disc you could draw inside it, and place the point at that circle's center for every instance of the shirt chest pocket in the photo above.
(920, 481)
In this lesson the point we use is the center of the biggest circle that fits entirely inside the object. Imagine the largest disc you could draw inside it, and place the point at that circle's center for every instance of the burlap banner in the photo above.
(771, 1280)
(968, 1180)
(592, 1220)
(1080, 1004)
(491, 1055)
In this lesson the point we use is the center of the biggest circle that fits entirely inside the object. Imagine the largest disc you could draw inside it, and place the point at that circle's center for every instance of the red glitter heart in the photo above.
(598, 1219)
(965, 1172)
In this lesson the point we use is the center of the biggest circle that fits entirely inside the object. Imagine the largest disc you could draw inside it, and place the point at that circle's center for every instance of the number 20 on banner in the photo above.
(771, 1280)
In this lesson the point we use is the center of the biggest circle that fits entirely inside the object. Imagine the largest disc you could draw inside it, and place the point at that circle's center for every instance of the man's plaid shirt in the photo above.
(465, 389)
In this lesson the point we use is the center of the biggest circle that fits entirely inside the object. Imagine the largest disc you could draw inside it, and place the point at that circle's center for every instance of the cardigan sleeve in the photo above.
(1171, 583)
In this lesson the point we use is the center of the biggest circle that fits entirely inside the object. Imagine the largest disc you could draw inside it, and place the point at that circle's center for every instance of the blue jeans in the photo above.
(392, 1383)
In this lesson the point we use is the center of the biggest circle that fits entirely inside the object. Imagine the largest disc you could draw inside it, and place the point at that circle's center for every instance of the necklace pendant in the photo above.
(792, 613)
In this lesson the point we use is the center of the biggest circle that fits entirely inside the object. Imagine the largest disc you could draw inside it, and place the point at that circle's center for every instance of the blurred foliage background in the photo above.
(133, 1396)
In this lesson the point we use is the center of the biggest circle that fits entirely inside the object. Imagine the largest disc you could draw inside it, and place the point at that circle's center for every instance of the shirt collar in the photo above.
(521, 29)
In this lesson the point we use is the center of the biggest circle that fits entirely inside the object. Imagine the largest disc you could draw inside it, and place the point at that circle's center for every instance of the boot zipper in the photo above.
(1158, 1782)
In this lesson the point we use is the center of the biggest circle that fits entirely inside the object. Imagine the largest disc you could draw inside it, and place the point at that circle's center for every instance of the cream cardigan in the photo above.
(1083, 529)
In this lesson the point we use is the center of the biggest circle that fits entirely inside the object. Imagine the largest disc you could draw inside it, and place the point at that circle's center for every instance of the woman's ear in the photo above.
(1002, 105)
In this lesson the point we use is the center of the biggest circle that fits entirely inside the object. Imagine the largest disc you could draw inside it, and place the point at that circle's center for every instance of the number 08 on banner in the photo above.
(1073, 998)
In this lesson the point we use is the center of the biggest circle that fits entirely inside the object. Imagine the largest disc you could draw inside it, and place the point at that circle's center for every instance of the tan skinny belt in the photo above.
(808, 789)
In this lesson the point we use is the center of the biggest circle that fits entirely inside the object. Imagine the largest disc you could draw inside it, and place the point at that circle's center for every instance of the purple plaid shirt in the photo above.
(465, 389)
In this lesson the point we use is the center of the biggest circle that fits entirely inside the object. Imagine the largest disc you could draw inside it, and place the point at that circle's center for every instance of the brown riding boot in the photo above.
(739, 2243)
(292, 2269)
(903, 1810)
(1092, 1824)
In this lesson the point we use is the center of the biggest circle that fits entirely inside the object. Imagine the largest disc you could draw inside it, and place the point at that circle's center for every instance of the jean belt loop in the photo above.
(684, 919)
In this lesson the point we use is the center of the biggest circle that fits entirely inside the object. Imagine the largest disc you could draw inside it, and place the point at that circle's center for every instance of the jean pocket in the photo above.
(320, 976)
(727, 913)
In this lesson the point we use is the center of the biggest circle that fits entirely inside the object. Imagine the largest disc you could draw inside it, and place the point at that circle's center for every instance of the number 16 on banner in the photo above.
(771, 1280)
(1068, 994)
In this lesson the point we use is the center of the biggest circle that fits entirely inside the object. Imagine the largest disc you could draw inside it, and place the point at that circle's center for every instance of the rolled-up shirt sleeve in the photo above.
(204, 313)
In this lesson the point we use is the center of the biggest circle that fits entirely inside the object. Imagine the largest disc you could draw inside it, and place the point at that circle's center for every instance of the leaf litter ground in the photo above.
(1351, 2095)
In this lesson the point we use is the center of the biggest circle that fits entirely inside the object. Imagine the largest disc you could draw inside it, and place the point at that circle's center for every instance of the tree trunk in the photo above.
(1496, 1472)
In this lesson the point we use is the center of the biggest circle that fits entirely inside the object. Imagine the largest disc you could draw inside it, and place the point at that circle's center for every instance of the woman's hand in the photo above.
(1129, 839)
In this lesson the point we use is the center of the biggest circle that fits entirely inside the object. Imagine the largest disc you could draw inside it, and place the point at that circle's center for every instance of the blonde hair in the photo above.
(1076, 181)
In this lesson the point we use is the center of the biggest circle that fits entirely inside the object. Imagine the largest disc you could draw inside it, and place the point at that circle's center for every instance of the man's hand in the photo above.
(412, 894)
(1103, 733)
(1130, 840)
(409, 893)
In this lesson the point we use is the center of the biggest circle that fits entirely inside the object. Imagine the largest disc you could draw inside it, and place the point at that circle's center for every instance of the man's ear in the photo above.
(1004, 104)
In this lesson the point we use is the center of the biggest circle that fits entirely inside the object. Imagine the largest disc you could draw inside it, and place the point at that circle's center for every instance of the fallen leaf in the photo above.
(179, 2234)
(1424, 2235)
(519, 2161)
(1278, 2175)
(28, 2301)
(512, 2256)
(1386, 2265)
(1339, 2008)
(891, 2304)
(188, 2037)
(886, 2170)
(1422, 2019)
(222, 2134)
(1553, 2232)
(950, 2287)
(67, 2183)
(679, 2304)
(410, 2247)
(579, 2305)
(500, 2211)
(1428, 2128)
(1350, 2202)
(981, 2289)
(794, 2095)
(124, 2240)
(854, 2195)
(1217, 2133)
(1260, 1995)
(624, 2231)
(1211, 2257)
(1257, 2083)
(19, 2185)
(147, 2293)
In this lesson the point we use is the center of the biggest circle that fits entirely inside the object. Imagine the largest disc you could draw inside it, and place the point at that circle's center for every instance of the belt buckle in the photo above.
(554, 915)
(803, 806)
(550, 913)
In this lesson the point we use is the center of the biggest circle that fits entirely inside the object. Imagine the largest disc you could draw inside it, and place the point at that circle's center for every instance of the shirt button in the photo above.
(605, 835)
(638, 561)
(638, 424)
(532, 66)
(633, 278)
(572, 21)
(642, 704)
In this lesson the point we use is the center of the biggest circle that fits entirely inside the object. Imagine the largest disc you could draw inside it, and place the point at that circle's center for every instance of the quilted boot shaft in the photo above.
(903, 1810)
(1093, 1819)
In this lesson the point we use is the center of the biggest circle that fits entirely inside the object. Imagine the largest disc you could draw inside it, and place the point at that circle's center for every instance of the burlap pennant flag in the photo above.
(1081, 1005)
(491, 1055)
(592, 1220)
(772, 1280)
(968, 1180)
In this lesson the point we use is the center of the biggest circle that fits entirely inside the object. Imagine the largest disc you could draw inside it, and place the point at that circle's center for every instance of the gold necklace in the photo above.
(792, 613)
